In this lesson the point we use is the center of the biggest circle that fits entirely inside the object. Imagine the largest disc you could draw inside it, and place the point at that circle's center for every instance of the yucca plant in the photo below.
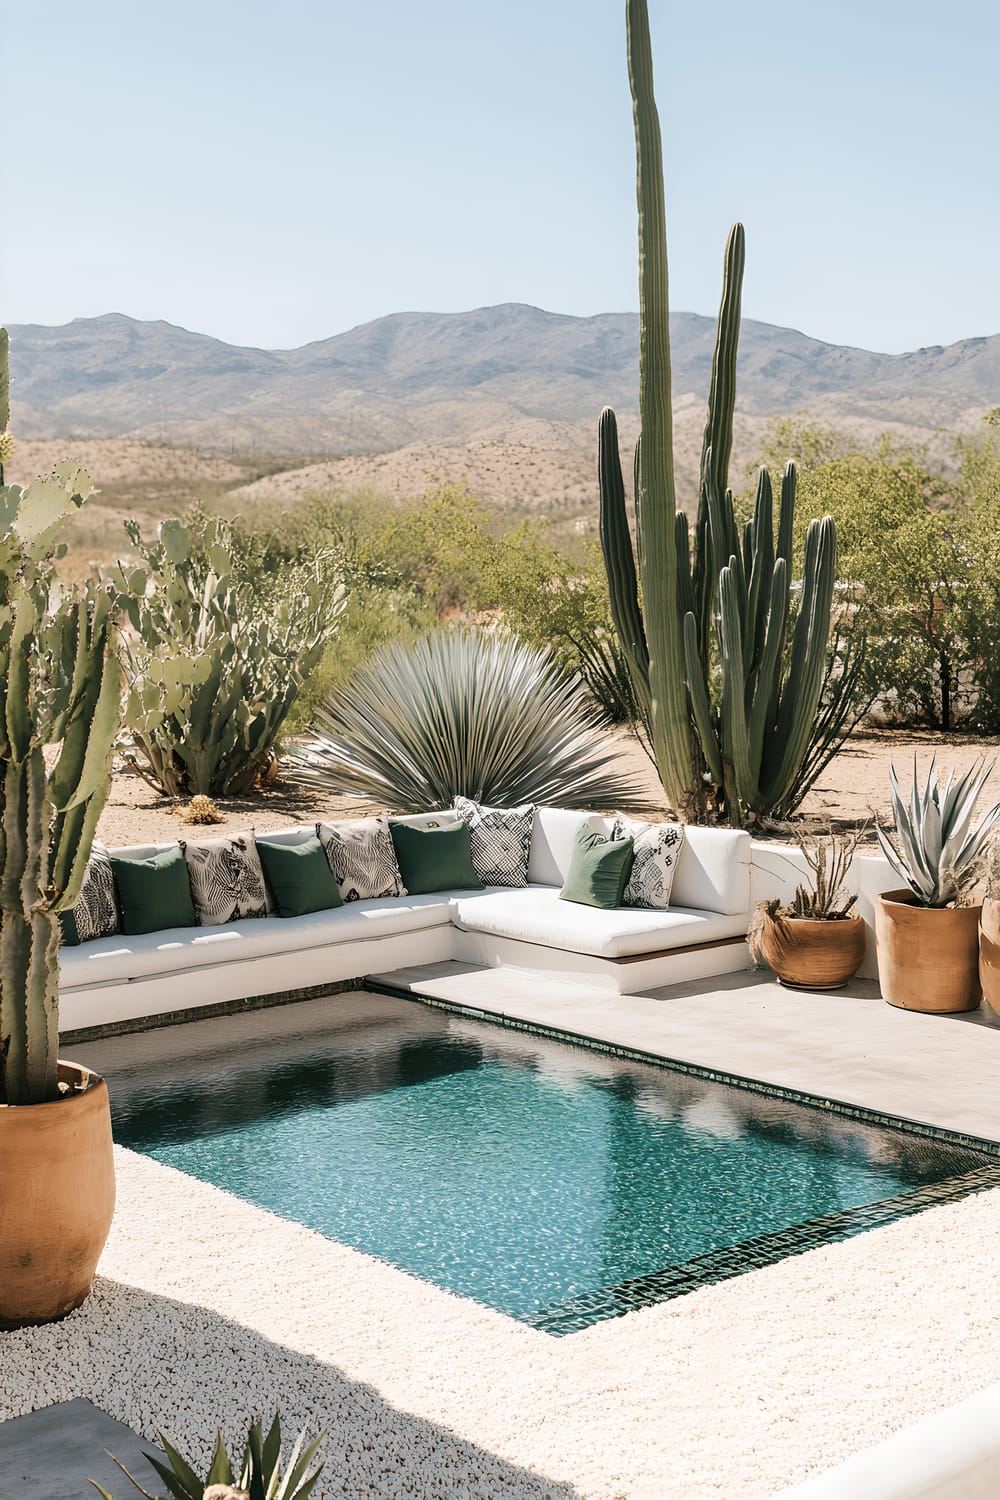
(937, 847)
(260, 1476)
(465, 713)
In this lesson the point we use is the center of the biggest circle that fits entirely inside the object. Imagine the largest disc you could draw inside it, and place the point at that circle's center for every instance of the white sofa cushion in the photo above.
(713, 868)
(713, 871)
(111, 959)
(537, 915)
(553, 839)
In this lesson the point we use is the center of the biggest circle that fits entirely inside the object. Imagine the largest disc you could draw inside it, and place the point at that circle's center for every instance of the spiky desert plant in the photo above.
(260, 1473)
(937, 849)
(734, 718)
(60, 690)
(464, 713)
(212, 671)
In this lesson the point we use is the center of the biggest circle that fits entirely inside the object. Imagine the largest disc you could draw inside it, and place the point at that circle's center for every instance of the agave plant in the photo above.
(462, 713)
(937, 847)
(260, 1472)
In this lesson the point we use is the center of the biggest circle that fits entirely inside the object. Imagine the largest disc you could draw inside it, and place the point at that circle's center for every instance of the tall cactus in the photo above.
(703, 624)
(60, 691)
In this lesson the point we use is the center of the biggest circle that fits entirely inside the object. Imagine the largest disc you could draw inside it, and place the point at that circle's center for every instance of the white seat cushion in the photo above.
(537, 915)
(106, 960)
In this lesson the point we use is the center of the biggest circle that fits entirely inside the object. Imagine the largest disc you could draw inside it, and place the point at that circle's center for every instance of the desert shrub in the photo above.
(470, 713)
(216, 654)
(914, 564)
(409, 565)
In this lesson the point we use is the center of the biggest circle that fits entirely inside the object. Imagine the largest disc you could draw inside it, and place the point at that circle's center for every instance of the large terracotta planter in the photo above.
(813, 955)
(928, 957)
(57, 1195)
(989, 953)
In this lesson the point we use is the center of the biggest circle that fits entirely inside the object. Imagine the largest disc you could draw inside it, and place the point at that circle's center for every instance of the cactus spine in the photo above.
(703, 624)
(60, 689)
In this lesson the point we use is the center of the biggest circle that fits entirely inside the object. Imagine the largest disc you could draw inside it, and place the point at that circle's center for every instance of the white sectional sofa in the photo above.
(126, 979)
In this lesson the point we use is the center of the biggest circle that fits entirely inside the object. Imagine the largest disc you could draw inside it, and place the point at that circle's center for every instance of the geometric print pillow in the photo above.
(500, 838)
(226, 878)
(95, 914)
(657, 848)
(362, 857)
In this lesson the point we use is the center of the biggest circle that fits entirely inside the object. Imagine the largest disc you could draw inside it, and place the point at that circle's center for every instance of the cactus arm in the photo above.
(800, 699)
(786, 521)
(619, 558)
(656, 499)
(768, 683)
(700, 707)
(718, 442)
(735, 730)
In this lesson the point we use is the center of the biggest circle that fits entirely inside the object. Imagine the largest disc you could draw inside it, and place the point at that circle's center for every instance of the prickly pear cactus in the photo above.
(211, 675)
(60, 694)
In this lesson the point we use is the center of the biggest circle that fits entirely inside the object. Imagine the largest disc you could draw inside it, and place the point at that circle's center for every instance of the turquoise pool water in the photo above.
(517, 1171)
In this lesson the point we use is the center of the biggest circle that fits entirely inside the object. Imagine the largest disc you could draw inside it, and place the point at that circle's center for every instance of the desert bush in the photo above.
(919, 567)
(215, 656)
(464, 713)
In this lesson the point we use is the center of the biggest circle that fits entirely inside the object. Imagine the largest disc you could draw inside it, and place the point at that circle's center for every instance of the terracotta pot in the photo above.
(57, 1195)
(813, 955)
(989, 953)
(928, 956)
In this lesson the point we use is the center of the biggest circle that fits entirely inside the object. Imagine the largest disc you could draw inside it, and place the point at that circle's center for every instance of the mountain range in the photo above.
(452, 377)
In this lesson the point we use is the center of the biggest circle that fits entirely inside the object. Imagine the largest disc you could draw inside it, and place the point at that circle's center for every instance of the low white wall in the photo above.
(776, 869)
(952, 1455)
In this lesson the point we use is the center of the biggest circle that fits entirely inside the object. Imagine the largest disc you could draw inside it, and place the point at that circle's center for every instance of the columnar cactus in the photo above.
(60, 689)
(703, 627)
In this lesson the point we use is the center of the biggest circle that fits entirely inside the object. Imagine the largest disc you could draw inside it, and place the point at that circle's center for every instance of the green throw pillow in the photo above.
(154, 893)
(599, 870)
(435, 859)
(70, 935)
(299, 876)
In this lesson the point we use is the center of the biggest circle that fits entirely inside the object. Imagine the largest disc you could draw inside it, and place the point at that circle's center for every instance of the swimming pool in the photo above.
(553, 1183)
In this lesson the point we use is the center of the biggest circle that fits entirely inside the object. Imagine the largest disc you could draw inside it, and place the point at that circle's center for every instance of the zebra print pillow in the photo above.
(362, 857)
(500, 838)
(227, 881)
(95, 914)
(656, 847)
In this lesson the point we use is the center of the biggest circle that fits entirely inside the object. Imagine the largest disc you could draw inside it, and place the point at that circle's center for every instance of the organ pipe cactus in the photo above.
(60, 687)
(706, 619)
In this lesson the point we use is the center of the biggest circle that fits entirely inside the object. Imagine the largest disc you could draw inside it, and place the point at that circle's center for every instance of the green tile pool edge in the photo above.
(645, 1291)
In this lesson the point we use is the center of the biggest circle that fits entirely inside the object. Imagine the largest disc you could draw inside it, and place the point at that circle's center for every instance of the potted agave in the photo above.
(927, 934)
(60, 693)
(817, 941)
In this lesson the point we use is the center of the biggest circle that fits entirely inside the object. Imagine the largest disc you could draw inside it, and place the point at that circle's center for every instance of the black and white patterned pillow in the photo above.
(95, 914)
(500, 838)
(362, 857)
(227, 881)
(657, 848)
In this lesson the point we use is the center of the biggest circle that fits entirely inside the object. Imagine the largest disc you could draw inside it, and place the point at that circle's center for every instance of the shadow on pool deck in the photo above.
(154, 1362)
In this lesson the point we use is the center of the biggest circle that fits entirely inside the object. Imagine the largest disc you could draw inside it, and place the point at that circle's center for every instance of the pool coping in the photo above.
(589, 1308)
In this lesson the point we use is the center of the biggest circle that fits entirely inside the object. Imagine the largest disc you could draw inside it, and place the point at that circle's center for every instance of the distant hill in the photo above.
(448, 378)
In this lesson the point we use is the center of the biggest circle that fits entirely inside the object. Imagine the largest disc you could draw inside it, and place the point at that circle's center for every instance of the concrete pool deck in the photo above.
(208, 1308)
(847, 1045)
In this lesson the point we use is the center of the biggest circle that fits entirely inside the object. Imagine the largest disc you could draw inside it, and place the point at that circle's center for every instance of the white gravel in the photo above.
(209, 1308)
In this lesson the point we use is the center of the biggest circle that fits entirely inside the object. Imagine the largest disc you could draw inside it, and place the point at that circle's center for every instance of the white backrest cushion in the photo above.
(553, 836)
(713, 871)
(426, 820)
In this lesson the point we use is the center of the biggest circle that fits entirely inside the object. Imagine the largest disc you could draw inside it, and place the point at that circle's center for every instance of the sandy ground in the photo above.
(854, 785)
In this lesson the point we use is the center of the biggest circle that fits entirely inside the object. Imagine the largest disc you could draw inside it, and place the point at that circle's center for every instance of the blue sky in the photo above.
(275, 173)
